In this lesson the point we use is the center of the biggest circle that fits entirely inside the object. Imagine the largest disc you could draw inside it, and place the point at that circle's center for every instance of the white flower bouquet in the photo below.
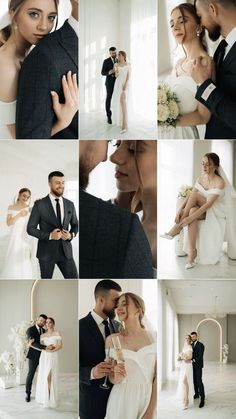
(184, 190)
(182, 357)
(8, 360)
(167, 106)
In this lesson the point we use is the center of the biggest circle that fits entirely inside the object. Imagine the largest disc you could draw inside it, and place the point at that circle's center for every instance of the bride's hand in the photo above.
(65, 112)
(119, 373)
(178, 217)
(23, 212)
(30, 342)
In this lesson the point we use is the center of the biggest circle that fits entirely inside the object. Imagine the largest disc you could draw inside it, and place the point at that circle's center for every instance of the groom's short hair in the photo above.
(224, 3)
(112, 49)
(193, 333)
(55, 173)
(104, 286)
(43, 316)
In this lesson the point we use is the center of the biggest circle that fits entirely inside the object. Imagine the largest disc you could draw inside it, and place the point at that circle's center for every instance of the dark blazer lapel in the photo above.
(230, 56)
(52, 214)
(94, 330)
(69, 41)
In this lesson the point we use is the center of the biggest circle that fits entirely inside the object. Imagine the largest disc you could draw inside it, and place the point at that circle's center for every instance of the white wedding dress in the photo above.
(48, 362)
(7, 117)
(18, 259)
(186, 369)
(211, 230)
(123, 72)
(130, 398)
(185, 88)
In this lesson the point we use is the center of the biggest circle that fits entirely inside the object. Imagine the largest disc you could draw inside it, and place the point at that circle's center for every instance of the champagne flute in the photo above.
(104, 385)
(118, 352)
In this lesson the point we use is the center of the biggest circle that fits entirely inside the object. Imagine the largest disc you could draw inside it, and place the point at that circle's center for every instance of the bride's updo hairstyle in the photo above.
(188, 336)
(123, 53)
(139, 304)
(13, 8)
(190, 8)
(215, 160)
(52, 320)
(22, 190)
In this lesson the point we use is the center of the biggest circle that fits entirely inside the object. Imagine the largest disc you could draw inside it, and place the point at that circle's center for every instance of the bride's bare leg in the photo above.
(192, 236)
(186, 391)
(195, 199)
(123, 110)
(49, 382)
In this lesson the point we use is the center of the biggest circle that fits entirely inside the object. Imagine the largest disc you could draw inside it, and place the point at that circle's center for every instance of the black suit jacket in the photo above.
(43, 215)
(42, 72)
(32, 333)
(93, 399)
(222, 101)
(198, 352)
(112, 242)
(106, 67)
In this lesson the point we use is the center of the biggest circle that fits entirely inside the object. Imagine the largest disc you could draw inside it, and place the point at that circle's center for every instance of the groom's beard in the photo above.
(214, 33)
(110, 313)
(84, 171)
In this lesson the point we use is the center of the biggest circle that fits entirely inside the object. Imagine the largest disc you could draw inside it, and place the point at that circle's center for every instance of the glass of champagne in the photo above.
(104, 385)
(119, 357)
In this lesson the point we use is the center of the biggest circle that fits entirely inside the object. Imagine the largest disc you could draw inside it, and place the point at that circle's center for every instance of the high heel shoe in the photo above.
(185, 405)
(166, 236)
(123, 131)
(191, 265)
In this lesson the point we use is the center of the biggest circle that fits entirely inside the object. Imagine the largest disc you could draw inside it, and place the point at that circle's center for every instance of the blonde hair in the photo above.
(139, 304)
(14, 7)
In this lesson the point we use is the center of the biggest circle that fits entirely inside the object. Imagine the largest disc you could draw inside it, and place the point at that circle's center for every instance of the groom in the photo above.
(93, 330)
(41, 73)
(34, 332)
(58, 225)
(219, 96)
(112, 240)
(109, 71)
(198, 352)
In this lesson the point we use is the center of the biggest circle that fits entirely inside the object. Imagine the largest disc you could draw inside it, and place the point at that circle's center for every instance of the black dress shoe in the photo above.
(202, 403)
(27, 398)
(109, 121)
(196, 396)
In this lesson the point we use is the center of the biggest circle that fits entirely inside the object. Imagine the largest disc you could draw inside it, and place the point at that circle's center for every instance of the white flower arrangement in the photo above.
(8, 360)
(184, 191)
(167, 106)
(19, 340)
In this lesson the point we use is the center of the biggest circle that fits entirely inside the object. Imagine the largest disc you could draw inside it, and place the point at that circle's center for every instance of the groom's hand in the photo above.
(102, 369)
(56, 234)
(202, 69)
(65, 235)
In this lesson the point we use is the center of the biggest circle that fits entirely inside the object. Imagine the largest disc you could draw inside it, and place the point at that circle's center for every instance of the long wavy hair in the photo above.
(14, 7)
(139, 304)
(215, 159)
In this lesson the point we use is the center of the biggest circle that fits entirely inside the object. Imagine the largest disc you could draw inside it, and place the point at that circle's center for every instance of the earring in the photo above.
(16, 27)
(198, 33)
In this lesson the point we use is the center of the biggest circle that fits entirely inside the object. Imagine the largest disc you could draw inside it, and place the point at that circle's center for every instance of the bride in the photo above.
(185, 385)
(188, 33)
(136, 181)
(118, 102)
(18, 260)
(16, 40)
(204, 213)
(135, 383)
(47, 379)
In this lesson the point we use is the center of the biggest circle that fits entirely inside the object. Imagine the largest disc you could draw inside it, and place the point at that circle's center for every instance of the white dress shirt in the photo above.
(74, 24)
(54, 203)
(230, 39)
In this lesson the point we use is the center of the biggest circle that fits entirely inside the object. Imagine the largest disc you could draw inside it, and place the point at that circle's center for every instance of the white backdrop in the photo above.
(27, 164)
(129, 25)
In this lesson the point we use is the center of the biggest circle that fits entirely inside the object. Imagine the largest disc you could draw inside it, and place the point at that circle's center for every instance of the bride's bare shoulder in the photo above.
(9, 76)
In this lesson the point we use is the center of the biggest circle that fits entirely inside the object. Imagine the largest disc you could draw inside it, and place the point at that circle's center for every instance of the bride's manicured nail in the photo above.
(52, 93)
(64, 77)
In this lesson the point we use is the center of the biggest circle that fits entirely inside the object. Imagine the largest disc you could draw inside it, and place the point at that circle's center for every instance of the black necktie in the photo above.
(107, 330)
(58, 210)
(220, 53)
(40, 331)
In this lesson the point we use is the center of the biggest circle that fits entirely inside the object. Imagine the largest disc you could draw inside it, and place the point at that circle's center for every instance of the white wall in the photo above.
(58, 299)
